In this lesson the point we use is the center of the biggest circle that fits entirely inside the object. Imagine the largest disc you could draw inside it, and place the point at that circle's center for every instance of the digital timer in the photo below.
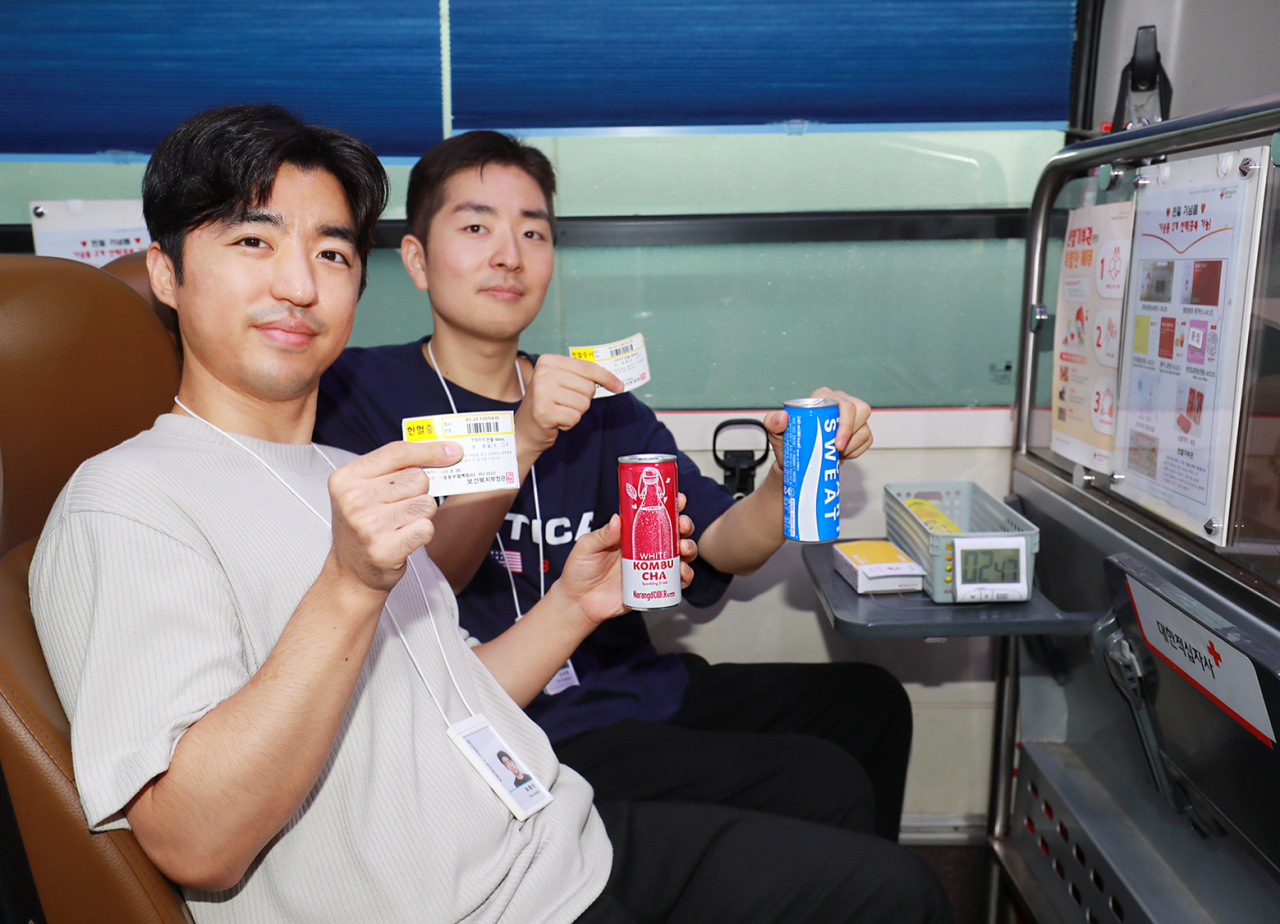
(990, 569)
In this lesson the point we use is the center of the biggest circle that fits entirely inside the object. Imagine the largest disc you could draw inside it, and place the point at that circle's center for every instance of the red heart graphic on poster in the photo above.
(84, 243)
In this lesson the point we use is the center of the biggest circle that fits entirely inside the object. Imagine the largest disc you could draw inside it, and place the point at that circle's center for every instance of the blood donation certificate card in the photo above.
(1086, 333)
(488, 442)
(627, 359)
(1184, 320)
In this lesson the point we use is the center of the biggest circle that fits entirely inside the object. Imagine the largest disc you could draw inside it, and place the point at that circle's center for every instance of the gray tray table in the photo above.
(914, 615)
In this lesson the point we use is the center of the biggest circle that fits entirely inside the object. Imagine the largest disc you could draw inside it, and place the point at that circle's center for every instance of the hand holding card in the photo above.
(488, 444)
(627, 359)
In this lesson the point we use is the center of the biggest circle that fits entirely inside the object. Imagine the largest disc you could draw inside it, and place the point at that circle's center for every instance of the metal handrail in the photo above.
(1238, 122)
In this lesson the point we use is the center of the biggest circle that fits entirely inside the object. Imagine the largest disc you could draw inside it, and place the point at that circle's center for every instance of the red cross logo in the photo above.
(1217, 658)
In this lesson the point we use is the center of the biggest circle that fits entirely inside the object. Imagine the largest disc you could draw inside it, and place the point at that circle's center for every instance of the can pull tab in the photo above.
(740, 464)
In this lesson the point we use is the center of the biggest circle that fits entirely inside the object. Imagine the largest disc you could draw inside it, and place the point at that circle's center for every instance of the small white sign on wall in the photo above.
(94, 231)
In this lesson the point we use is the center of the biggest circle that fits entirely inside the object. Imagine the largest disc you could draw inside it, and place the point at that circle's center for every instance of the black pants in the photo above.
(819, 742)
(691, 864)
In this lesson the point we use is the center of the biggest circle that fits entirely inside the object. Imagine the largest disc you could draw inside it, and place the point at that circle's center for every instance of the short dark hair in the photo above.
(220, 164)
(463, 152)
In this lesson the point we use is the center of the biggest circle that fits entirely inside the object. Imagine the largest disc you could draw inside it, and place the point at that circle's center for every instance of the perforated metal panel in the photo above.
(1074, 873)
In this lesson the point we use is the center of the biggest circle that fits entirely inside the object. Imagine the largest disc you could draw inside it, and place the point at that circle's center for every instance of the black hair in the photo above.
(502, 754)
(219, 165)
(464, 152)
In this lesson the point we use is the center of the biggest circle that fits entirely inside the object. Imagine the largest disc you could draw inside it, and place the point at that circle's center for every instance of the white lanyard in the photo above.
(566, 676)
(386, 608)
(533, 478)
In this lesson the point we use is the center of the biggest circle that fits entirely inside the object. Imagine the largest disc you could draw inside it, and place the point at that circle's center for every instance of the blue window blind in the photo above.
(583, 63)
(83, 77)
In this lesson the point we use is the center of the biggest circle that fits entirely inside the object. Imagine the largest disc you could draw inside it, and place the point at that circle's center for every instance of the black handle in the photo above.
(740, 464)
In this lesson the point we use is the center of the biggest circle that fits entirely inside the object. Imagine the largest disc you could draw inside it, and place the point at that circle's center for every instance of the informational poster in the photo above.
(94, 231)
(1086, 334)
(1183, 332)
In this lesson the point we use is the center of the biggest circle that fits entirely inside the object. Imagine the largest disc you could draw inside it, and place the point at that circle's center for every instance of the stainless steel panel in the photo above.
(1079, 751)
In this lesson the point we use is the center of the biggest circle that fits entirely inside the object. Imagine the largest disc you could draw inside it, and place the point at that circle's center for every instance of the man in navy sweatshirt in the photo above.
(822, 742)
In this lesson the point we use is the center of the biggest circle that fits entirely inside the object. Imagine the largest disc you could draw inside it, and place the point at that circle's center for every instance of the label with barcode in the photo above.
(488, 442)
(627, 359)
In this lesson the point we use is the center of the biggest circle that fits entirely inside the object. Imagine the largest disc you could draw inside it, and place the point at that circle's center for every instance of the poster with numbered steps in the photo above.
(1086, 333)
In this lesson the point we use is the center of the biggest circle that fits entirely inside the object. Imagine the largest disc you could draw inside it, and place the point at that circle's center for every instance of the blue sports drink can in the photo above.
(811, 470)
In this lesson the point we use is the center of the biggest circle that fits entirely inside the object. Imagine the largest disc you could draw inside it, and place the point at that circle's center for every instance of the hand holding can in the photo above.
(647, 488)
(811, 470)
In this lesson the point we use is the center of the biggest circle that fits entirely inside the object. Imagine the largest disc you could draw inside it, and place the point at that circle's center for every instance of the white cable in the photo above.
(439, 641)
(537, 507)
(431, 618)
(329, 525)
(515, 598)
(264, 462)
(386, 608)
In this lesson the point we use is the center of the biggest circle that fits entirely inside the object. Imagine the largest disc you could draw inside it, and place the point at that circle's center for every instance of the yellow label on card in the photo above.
(587, 353)
(420, 429)
(488, 443)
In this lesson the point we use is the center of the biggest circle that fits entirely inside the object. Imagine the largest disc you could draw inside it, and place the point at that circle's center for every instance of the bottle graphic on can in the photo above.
(647, 487)
(811, 470)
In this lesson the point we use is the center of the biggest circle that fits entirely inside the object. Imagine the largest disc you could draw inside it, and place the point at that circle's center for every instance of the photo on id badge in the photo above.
(513, 777)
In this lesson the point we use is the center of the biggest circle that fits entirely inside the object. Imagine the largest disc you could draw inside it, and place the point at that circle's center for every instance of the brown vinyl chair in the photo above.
(131, 269)
(84, 365)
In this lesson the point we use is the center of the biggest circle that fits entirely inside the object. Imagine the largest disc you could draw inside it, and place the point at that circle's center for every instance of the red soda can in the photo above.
(647, 486)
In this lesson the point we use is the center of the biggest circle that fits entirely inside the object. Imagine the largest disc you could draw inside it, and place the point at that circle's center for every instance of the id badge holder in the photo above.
(564, 678)
(500, 767)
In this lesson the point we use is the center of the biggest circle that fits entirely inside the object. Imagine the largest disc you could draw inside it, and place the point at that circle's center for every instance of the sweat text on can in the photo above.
(811, 470)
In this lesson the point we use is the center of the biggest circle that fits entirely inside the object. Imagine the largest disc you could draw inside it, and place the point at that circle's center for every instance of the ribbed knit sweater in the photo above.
(165, 574)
